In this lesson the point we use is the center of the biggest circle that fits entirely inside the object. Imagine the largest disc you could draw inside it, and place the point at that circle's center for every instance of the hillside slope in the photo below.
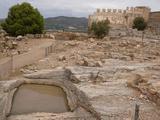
(66, 23)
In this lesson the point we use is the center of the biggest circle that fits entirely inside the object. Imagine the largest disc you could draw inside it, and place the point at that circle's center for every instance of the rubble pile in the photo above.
(18, 45)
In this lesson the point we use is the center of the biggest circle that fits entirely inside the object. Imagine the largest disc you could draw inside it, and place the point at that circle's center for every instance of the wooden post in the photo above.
(46, 52)
(136, 112)
(142, 37)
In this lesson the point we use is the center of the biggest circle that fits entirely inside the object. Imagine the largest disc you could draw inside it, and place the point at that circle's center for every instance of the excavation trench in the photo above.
(32, 98)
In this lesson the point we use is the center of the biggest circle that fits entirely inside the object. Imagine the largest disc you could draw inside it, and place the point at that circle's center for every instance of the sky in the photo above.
(76, 8)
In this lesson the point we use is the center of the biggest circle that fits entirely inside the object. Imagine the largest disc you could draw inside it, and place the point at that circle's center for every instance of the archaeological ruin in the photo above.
(66, 75)
(119, 17)
(154, 21)
(44, 94)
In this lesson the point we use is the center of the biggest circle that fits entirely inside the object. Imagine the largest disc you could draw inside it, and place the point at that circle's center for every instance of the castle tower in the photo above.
(145, 11)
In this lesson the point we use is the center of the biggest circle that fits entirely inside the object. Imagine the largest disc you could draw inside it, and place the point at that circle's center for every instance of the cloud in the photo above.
(78, 8)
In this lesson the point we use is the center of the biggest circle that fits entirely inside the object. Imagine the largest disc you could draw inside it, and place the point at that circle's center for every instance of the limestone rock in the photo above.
(91, 40)
(19, 38)
(61, 58)
(99, 64)
(134, 80)
(52, 36)
(153, 91)
(72, 43)
(107, 38)
(14, 45)
(26, 71)
(7, 38)
(90, 62)
(142, 97)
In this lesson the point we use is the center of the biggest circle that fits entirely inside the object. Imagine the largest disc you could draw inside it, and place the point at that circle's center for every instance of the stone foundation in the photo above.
(76, 98)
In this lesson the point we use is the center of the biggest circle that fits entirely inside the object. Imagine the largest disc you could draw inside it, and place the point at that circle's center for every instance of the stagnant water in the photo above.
(31, 98)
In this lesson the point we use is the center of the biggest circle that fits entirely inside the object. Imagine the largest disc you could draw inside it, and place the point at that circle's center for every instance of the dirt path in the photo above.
(34, 53)
(23, 46)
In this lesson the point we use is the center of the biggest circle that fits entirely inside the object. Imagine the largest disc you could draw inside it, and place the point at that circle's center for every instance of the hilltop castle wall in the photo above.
(154, 22)
(119, 16)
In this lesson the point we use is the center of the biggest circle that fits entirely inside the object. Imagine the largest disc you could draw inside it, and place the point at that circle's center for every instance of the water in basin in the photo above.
(32, 98)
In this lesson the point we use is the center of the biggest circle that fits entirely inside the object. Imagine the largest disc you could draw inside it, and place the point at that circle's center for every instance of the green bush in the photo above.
(23, 19)
(100, 29)
(139, 23)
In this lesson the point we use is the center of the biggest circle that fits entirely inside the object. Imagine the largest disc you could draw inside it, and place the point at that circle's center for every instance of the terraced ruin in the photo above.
(98, 79)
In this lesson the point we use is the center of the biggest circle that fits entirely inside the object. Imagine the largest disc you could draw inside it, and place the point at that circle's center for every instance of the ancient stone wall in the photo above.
(132, 13)
(154, 22)
(119, 16)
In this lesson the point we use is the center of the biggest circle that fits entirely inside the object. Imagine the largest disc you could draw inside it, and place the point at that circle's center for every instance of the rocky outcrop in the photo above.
(136, 81)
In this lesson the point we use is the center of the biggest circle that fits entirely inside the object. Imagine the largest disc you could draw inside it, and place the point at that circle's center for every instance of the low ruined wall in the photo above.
(8, 65)
(122, 31)
(70, 36)
(45, 35)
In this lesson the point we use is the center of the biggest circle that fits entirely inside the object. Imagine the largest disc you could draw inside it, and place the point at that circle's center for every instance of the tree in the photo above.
(23, 19)
(100, 29)
(139, 23)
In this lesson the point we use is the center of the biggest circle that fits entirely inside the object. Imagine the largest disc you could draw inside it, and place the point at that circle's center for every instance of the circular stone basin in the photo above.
(32, 98)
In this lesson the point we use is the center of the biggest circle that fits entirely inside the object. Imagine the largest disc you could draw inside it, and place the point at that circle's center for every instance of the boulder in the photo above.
(52, 36)
(61, 58)
(90, 62)
(19, 38)
(91, 40)
(99, 64)
(26, 71)
(8, 38)
(14, 45)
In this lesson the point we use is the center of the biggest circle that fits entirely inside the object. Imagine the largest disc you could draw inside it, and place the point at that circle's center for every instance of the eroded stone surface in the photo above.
(105, 87)
(75, 97)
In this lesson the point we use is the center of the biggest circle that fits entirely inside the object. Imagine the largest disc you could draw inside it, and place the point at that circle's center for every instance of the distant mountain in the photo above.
(66, 23)
(1, 20)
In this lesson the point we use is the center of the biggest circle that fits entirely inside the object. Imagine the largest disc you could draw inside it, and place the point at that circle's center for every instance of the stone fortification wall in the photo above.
(154, 22)
(119, 16)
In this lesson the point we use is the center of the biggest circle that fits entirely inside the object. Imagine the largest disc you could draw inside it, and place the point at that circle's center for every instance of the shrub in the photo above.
(23, 19)
(139, 23)
(100, 29)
